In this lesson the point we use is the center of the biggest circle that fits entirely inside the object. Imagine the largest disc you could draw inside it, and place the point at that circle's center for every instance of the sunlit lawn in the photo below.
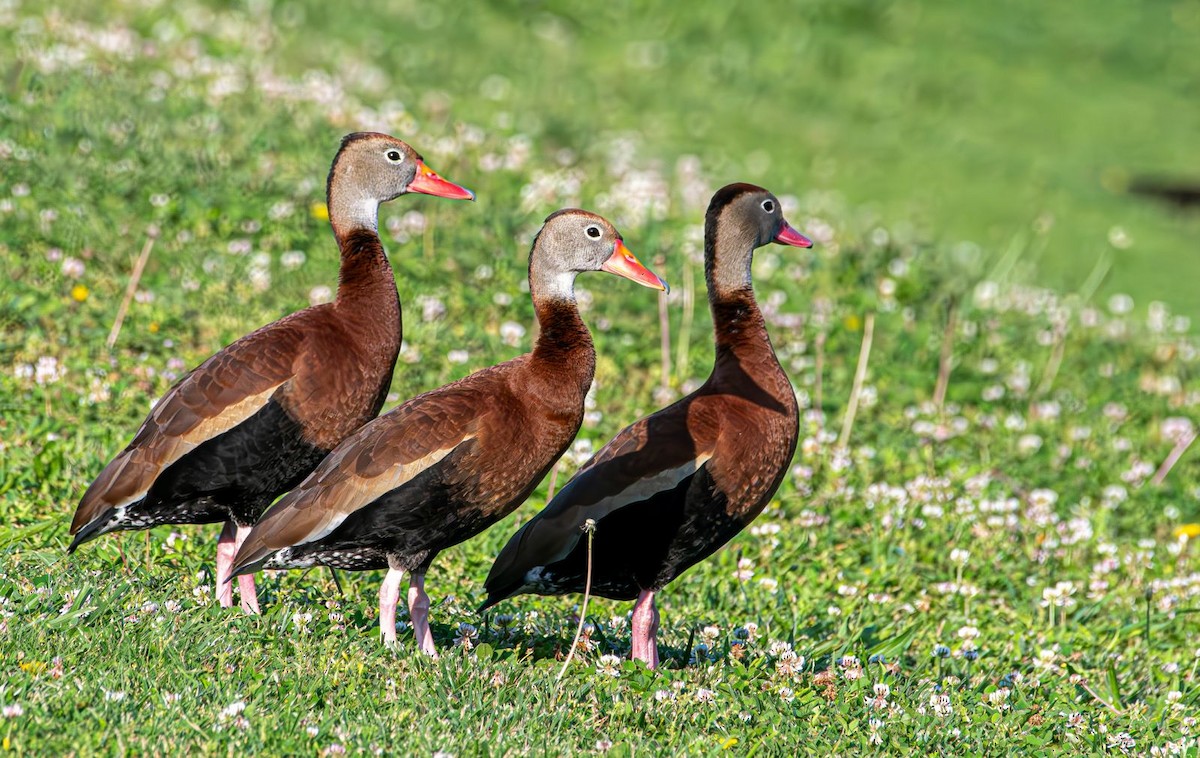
(1008, 570)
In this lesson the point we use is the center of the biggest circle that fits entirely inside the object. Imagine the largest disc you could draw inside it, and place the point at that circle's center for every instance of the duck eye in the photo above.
(394, 156)
(768, 206)
(593, 231)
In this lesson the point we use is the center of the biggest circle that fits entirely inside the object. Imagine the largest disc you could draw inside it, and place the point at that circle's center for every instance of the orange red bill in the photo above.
(624, 263)
(427, 182)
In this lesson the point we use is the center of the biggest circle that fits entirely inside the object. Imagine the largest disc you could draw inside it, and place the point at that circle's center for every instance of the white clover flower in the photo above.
(940, 703)
(998, 698)
(511, 333)
(48, 370)
(1177, 429)
(1120, 304)
(320, 294)
(609, 665)
(745, 570)
(432, 308)
(233, 709)
(292, 259)
(72, 268)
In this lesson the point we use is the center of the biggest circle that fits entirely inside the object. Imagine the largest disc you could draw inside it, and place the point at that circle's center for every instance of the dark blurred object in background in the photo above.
(1181, 193)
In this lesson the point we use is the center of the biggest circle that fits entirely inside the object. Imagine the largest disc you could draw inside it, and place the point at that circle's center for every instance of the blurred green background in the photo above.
(964, 121)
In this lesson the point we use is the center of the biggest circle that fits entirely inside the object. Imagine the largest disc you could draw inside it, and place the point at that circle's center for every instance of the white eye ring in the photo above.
(768, 206)
(593, 231)
(395, 156)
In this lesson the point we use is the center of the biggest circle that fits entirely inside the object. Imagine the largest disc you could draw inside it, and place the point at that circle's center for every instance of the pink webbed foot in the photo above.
(246, 586)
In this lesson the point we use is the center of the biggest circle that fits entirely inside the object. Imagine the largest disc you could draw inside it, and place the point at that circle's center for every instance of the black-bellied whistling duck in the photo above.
(447, 464)
(674, 487)
(253, 420)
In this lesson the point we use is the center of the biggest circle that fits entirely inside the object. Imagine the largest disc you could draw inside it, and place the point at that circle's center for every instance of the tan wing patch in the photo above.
(328, 497)
(353, 492)
(130, 475)
(222, 422)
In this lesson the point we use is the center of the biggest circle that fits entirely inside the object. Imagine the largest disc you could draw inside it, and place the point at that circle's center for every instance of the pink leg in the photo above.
(246, 581)
(418, 611)
(226, 548)
(645, 629)
(389, 595)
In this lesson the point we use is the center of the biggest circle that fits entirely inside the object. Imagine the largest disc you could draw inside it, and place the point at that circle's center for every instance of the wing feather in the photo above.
(220, 393)
(380, 457)
(650, 456)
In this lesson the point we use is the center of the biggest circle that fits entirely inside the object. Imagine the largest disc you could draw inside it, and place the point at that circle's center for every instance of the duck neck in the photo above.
(365, 272)
(564, 345)
(738, 324)
(739, 327)
(562, 335)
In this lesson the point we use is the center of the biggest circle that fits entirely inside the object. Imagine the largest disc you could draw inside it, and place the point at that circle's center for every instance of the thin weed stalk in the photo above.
(685, 327)
(860, 374)
(664, 330)
(946, 357)
(589, 527)
(138, 267)
(1172, 458)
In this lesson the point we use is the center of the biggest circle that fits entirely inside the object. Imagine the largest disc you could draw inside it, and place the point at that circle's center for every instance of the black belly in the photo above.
(646, 545)
(238, 473)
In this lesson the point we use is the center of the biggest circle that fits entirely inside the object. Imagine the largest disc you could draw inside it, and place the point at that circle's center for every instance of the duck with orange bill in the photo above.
(252, 421)
(447, 464)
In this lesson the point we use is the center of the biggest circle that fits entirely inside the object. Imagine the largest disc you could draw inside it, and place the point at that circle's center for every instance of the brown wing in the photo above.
(652, 455)
(217, 395)
(378, 458)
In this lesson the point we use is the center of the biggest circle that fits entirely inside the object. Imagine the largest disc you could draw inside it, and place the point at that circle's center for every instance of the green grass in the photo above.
(900, 130)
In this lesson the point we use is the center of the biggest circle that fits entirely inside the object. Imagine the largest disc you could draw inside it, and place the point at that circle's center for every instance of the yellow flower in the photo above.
(727, 743)
(853, 323)
(79, 293)
(33, 667)
(1187, 531)
(153, 327)
(319, 211)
